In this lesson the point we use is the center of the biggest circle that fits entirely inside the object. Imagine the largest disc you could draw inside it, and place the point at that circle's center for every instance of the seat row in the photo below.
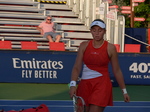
(60, 46)
(134, 48)
(29, 45)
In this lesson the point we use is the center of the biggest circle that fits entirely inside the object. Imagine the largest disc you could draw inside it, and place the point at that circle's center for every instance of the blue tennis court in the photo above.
(67, 105)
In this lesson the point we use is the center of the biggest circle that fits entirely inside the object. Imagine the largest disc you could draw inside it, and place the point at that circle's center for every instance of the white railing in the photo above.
(115, 24)
(85, 9)
(88, 10)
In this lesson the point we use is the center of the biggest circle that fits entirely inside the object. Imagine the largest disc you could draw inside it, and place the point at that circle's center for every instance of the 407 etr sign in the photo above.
(140, 70)
(140, 67)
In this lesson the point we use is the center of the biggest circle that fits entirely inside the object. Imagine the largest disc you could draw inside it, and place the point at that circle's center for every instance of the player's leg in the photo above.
(95, 108)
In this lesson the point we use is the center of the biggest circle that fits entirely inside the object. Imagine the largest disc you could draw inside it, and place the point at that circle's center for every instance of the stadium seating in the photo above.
(28, 45)
(5, 45)
(57, 46)
(134, 48)
(19, 20)
(117, 47)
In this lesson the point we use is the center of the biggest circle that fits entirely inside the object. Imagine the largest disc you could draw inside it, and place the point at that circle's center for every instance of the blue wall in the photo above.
(22, 66)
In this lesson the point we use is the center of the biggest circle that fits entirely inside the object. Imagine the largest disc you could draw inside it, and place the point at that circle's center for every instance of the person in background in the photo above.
(95, 86)
(47, 29)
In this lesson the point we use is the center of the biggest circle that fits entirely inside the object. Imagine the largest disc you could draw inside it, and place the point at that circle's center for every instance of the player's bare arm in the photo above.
(78, 63)
(77, 67)
(116, 69)
(115, 65)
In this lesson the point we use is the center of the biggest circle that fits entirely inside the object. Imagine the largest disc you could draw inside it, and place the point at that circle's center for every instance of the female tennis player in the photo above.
(95, 86)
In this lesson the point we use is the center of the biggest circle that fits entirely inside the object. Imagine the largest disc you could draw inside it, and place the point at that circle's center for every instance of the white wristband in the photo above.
(124, 91)
(72, 83)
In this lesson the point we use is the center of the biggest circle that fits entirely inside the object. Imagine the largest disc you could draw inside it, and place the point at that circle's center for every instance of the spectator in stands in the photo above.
(47, 29)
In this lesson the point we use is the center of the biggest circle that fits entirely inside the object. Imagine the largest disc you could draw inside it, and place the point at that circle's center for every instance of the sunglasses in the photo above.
(49, 19)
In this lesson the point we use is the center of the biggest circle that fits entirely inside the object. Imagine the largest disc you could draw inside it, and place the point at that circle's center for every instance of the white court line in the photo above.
(36, 100)
(130, 106)
(138, 106)
(132, 101)
(72, 106)
(61, 100)
(36, 105)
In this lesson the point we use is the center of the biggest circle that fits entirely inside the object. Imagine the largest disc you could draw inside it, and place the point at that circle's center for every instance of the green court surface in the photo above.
(28, 91)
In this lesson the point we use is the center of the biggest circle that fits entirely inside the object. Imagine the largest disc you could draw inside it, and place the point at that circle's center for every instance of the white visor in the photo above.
(98, 23)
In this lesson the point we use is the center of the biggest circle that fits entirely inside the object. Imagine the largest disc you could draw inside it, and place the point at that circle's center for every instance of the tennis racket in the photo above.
(79, 104)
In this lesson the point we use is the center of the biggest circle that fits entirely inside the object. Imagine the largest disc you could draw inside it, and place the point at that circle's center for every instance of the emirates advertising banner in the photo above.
(36, 66)
(21, 66)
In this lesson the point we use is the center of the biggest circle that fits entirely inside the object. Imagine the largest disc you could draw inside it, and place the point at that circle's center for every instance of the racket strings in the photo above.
(79, 105)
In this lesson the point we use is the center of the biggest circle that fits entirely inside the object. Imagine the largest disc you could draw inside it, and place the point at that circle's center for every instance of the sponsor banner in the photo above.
(36, 66)
(20, 66)
(135, 68)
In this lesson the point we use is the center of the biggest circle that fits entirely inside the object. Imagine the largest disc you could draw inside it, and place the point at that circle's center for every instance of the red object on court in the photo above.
(29, 45)
(57, 46)
(5, 45)
(40, 108)
(132, 48)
